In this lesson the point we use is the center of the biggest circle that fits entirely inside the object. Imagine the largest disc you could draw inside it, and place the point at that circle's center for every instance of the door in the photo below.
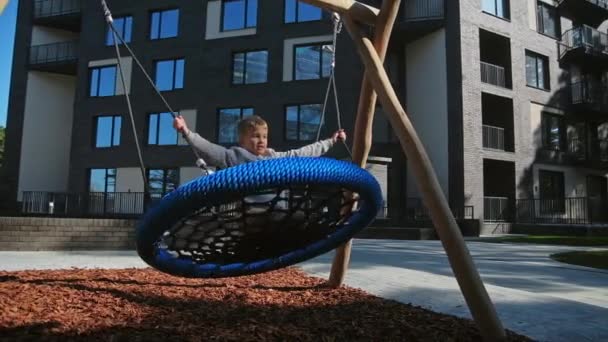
(597, 196)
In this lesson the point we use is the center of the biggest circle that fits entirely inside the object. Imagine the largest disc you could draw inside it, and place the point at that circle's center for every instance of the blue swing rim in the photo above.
(235, 182)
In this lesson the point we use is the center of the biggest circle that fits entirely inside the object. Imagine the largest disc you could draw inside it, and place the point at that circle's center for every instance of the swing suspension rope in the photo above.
(200, 162)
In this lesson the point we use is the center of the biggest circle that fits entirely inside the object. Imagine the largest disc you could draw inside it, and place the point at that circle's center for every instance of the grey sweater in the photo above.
(221, 157)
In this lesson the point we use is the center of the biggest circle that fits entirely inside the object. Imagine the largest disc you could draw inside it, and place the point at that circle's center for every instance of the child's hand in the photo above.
(339, 136)
(180, 124)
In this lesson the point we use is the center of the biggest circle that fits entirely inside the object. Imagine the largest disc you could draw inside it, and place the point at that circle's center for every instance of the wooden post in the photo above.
(468, 278)
(362, 137)
(361, 12)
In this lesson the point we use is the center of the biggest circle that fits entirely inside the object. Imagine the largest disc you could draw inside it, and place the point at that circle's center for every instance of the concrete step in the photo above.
(398, 233)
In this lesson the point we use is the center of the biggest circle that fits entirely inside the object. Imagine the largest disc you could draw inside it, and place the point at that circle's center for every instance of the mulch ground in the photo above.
(146, 305)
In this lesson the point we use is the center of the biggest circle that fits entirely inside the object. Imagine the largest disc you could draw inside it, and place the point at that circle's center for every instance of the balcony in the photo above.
(418, 18)
(496, 209)
(592, 12)
(493, 74)
(493, 137)
(584, 45)
(589, 97)
(577, 150)
(60, 14)
(60, 58)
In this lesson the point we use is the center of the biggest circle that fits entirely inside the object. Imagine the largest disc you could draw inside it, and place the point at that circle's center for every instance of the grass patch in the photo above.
(553, 240)
(595, 259)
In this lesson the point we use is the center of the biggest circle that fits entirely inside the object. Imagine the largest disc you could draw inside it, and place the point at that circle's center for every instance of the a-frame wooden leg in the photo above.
(468, 278)
(362, 137)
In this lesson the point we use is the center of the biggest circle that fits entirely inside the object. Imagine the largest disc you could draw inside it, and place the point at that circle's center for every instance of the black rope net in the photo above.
(267, 224)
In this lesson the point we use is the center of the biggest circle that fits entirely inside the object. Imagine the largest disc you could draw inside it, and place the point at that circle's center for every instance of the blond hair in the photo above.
(250, 122)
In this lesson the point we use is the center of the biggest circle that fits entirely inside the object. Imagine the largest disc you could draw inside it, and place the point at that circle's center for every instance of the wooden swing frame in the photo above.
(376, 86)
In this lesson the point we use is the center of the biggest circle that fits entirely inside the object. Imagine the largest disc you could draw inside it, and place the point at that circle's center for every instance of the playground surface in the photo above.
(534, 295)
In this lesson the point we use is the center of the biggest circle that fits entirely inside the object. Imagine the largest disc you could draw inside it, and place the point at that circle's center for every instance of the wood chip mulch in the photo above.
(146, 305)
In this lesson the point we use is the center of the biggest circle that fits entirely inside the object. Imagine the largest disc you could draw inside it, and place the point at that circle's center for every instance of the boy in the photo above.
(253, 144)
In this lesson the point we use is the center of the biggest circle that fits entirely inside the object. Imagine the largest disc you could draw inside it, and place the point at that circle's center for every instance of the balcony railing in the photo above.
(417, 212)
(600, 3)
(494, 137)
(51, 8)
(593, 94)
(53, 53)
(496, 209)
(423, 10)
(493, 74)
(575, 210)
(601, 150)
(577, 148)
(586, 37)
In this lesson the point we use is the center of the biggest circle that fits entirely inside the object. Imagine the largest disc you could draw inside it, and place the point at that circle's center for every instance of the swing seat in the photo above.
(257, 217)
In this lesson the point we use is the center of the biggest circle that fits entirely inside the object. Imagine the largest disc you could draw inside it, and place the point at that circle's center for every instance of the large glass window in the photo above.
(537, 70)
(102, 180)
(302, 122)
(239, 14)
(298, 11)
(107, 130)
(228, 121)
(170, 74)
(103, 81)
(547, 19)
(499, 8)
(162, 181)
(124, 26)
(312, 61)
(553, 132)
(250, 67)
(164, 24)
(160, 130)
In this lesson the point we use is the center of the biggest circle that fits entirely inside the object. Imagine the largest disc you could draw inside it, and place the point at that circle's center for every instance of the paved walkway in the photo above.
(534, 295)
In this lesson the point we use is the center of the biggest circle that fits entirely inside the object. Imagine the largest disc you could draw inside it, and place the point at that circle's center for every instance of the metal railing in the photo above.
(416, 211)
(575, 210)
(577, 148)
(494, 137)
(51, 8)
(93, 204)
(423, 10)
(493, 74)
(54, 53)
(603, 150)
(594, 94)
(583, 36)
(496, 209)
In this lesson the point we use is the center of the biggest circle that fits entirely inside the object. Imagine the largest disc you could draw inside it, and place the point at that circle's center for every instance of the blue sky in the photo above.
(7, 37)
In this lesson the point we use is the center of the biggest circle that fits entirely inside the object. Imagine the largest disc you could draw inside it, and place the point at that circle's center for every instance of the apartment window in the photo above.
(302, 122)
(123, 26)
(107, 131)
(164, 24)
(170, 74)
(547, 20)
(499, 8)
(239, 14)
(551, 191)
(250, 67)
(162, 181)
(553, 132)
(228, 121)
(298, 11)
(160, 130)
(103, 81)
(102, 180)
(312, 61)
(537, 70)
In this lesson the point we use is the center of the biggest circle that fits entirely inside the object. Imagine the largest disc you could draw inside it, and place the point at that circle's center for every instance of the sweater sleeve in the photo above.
(213, 154)
(316, 149)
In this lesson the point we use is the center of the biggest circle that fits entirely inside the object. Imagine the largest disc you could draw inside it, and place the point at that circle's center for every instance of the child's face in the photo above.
(255, 140)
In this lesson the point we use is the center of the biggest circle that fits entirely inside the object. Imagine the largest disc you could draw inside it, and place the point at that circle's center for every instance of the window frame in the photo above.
(545, 135)
(160, 23)
(297, 13)
(540, 24)
(506, 3)
(295, 56)
(113, 130)
(109, 31)
(164, 180)
(247, 52)
(174, 60)
(298, 130)
(245, 14)
(546, 70)
(106, 177)
(241, 115)
(99, 70)
(157, 144)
